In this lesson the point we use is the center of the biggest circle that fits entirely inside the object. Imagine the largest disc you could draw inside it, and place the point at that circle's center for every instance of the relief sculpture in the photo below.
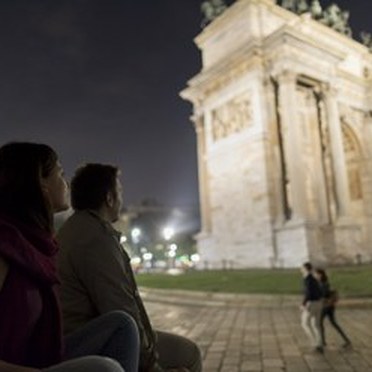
(232, 117)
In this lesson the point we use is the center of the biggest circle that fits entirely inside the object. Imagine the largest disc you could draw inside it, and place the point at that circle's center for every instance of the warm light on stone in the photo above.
(282, 113)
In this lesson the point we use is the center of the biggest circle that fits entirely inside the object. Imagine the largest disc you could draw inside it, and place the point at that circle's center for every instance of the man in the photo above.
(311, 307)
(96, 274)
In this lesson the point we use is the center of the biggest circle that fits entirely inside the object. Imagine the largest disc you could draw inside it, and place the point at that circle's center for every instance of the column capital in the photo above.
(198, 122)
(286, 77)
(330, 90)
(368, 115)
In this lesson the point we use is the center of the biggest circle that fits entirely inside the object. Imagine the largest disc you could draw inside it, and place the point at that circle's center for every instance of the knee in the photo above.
(195, 350)
(198, 359)
(121, 318)
(194, 353)
(121, 321)
(108, 365)
(101, 364)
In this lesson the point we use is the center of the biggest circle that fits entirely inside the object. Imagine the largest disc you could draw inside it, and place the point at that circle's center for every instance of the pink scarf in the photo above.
(30, 320)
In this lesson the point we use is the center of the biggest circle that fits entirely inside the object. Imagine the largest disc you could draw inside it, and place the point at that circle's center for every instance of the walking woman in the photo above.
(329, 307)
(32, 188)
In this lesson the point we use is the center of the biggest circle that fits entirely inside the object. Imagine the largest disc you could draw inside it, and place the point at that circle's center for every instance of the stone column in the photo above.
(202, 174)
(292, 143)
(337, 152)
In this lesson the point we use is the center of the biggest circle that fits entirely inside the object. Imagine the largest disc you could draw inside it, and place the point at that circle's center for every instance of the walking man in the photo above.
(311, 307)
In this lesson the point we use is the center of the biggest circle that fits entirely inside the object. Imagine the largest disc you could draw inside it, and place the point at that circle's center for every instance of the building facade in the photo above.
(282, 112)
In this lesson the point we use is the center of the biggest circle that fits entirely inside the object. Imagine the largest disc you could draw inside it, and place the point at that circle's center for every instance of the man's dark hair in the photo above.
(91, 184)
(308, 266)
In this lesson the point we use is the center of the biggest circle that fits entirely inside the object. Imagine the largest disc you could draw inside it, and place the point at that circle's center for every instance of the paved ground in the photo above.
(261, 333)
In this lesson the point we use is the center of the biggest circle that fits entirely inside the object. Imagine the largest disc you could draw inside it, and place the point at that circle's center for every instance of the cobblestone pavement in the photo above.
(239, 337)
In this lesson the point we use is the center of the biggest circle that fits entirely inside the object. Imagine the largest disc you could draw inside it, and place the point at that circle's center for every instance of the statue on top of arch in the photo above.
(211, 9)
(337, 19)
(295, 6)
(366, 38)
(332, 16)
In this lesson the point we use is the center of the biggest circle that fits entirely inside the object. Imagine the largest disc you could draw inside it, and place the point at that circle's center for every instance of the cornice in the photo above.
(208, 81)
(289, 35)
(225, 20)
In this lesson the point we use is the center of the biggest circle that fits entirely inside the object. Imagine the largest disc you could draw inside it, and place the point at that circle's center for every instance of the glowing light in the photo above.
(172, 254)
(195, 258)
(168, 233)
(147, 256)
(136, 233)
(173, 247)
(123, 239)
(135, 261)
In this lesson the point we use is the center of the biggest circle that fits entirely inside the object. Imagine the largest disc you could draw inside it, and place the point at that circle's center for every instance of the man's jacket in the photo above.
(312, 290)
(97, 277)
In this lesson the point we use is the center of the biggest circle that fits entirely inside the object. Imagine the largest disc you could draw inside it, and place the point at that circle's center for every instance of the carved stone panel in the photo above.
(232, 117)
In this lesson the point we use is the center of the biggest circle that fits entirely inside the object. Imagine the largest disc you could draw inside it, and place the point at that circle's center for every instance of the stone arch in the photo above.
(353, 157)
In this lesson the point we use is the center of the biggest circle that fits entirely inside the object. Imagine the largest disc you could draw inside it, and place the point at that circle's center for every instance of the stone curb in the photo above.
(212, 299)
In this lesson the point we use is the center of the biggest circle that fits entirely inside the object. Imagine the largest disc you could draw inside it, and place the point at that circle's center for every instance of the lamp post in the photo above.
(135, 235)
(168, 234)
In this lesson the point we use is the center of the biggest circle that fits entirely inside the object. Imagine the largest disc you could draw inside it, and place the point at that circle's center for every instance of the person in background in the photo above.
(330, 299)
(97, 276)
(311, 307)
(32, 188)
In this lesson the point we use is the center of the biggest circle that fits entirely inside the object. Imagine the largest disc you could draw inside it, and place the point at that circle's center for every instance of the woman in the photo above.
(329, 307)
(32, 188)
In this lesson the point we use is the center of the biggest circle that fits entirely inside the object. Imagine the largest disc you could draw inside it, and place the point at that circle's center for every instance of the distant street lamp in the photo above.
(136, 233)
(172, 254)
(168, 233)
(147, 256)
(195, 258)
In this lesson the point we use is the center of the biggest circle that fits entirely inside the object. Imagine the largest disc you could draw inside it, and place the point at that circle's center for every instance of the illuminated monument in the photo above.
(282, 113)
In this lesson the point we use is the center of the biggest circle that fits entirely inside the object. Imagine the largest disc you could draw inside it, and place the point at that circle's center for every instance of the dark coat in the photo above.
(312, 290)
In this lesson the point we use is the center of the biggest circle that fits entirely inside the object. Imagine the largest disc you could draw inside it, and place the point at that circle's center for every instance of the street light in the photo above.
(195, 258)
(148, 260)
(168, 233)
(135, 236)
(173, 247)
(172, 254)
(136, 233)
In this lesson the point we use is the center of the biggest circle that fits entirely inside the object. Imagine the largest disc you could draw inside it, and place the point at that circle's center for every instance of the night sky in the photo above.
(99, 80)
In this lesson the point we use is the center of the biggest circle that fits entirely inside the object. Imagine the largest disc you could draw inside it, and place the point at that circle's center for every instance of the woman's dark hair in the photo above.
(22, 167)
(91, 184)
(322, 274)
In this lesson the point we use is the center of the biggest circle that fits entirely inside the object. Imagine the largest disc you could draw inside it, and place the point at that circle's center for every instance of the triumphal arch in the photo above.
(282, 112)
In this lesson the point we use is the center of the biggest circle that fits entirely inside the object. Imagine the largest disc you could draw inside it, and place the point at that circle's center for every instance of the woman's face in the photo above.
(56, 189)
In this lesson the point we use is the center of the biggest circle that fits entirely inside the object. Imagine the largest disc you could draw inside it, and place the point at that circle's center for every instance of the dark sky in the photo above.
(99, 81)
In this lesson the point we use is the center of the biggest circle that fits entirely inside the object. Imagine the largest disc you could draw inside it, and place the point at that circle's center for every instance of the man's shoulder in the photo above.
(80, 229)
(309, 279)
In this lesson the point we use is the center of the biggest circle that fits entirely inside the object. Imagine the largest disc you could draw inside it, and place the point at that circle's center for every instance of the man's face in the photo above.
(117, 201)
